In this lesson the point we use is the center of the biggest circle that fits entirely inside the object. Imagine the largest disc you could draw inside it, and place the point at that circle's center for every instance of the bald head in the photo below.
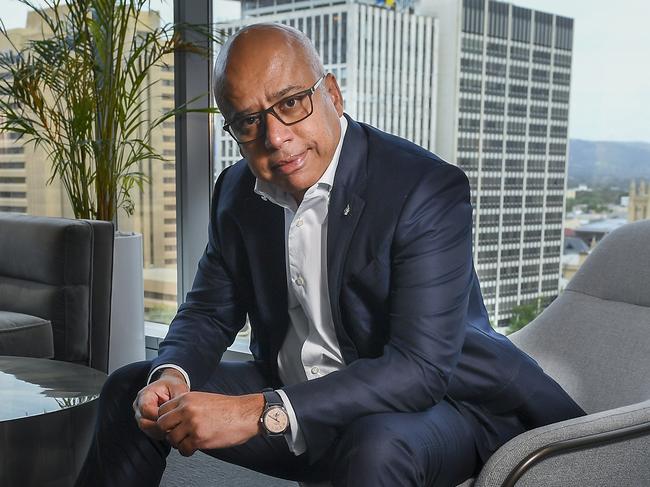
(269, 79)
(250, 50)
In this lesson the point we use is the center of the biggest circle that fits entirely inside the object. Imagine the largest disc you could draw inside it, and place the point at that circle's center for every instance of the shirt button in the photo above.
(315, 370)
(299, 222)
(299, 281)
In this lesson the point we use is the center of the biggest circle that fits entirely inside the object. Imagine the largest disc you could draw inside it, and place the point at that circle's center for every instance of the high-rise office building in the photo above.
(384, 61)
(24, 172)
(503, 117)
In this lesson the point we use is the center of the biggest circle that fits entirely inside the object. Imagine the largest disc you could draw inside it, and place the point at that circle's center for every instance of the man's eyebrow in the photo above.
(286, 91)
(278, 95)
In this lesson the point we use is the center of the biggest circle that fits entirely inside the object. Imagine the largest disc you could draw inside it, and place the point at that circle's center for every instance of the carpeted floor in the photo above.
(201, 470)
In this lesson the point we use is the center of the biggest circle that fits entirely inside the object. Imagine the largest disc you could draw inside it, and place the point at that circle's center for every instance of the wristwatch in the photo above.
(274, 419)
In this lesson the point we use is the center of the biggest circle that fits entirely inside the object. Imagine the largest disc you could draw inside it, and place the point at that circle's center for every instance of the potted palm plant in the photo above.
(80, 94)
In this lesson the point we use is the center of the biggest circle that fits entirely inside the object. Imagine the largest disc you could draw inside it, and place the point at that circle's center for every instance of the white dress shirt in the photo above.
(310, 349)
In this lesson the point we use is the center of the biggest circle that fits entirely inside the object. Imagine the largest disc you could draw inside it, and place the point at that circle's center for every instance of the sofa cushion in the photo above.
(25, 335)
(46, 271)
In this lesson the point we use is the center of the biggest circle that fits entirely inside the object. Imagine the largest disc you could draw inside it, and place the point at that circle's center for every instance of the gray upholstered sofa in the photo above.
(55, 288)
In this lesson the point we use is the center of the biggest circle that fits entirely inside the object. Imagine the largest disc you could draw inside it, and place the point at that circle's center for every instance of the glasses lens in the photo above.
(294, 108)
(290, 110)
(246, 128)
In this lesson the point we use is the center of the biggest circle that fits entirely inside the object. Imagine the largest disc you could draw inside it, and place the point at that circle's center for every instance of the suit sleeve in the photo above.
(207, 323)
(431, 278)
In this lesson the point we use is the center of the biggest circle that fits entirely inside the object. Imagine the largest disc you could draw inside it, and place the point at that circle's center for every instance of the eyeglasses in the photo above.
(289, 111)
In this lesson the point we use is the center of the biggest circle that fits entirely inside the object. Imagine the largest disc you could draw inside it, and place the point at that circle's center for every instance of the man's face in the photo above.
(291, 157)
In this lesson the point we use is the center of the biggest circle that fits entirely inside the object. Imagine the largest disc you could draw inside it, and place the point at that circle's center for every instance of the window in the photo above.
(516, 128)
(537, 147)
(539, 93)
(514, 147)
(467, 144)
(564, 33)
(30, 171)
(494, 107)
(470, 85)
(495, 69)
(498, 19)
(539, 111)
(563, 60)
(560, 96)
(521, 20)
(470, 105)
(491, 145)
(469, 124)
(519, 53)
(468, 65)
(492, 162)
(541, 57)
(473, 12)
(537, 129)
(495, 88)
(541, 75)
(559, 131)
(519, 72)
(543, 29)
(517, 110)
(493, 126)
(559, 113)
(12, 165)
(471, 44)
(518, 91)
(497, 50)
(561, 78)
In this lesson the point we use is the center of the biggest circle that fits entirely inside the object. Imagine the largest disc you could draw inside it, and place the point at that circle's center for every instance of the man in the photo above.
(350, 252)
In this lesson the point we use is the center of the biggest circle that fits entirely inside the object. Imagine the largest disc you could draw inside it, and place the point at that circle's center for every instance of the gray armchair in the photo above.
(594, 339)
(55, 288)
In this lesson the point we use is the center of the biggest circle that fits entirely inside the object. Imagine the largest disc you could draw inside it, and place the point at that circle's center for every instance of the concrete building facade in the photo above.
(638, 207)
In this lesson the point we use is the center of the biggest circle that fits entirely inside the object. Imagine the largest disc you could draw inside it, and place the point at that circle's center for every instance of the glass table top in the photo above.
(30, 386)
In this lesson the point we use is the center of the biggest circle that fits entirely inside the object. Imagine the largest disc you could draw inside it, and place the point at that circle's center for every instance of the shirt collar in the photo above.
(275, 195)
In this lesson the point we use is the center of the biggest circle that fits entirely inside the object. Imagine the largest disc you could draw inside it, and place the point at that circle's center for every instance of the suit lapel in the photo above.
(264, 239)
(345, 208)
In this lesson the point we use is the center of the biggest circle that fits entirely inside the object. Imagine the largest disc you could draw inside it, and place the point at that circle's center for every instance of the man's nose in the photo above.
(277, 133)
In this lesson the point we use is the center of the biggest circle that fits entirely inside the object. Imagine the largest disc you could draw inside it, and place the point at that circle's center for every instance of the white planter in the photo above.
(127, 304)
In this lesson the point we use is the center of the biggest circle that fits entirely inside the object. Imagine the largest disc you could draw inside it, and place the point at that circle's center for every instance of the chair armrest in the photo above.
(605, 448)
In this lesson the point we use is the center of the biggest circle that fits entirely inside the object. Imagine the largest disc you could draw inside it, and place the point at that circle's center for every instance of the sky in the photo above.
(610, 89)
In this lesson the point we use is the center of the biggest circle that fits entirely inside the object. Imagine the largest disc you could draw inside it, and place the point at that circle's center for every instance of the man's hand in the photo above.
(169, 385)
(201, 420)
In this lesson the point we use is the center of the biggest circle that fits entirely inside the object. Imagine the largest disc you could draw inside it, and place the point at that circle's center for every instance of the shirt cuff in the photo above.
(170, 366)
(295, 438)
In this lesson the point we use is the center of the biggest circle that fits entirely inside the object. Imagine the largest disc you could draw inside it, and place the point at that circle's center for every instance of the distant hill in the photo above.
(600, 164)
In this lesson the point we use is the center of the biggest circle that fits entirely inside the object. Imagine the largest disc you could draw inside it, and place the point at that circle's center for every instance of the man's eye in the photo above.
(290, 102)
(248, 121)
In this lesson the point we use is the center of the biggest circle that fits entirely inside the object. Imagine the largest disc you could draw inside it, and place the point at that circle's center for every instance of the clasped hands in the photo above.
(189, 421)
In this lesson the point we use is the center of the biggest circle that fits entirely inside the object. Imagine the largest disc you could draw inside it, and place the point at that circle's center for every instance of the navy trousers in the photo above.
(435, 447)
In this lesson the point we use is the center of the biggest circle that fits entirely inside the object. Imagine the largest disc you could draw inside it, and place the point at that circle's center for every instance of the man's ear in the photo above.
(334, 93)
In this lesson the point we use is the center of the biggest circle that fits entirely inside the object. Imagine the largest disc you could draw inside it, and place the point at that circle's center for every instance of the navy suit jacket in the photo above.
(406, 302)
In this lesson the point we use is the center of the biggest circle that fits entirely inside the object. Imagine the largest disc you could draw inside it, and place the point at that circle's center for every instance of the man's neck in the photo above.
(298, 196)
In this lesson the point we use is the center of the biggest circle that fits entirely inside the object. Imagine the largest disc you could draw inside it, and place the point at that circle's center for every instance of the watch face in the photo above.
(276, 420)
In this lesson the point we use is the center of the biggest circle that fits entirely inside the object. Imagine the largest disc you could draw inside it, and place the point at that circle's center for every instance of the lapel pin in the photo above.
(346, 212)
